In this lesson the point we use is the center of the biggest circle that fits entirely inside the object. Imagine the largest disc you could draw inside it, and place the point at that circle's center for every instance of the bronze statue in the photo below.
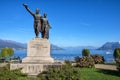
(40, 23)
(46, 26)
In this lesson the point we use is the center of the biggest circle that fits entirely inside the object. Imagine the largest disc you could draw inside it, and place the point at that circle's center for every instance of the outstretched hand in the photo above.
(25, 5)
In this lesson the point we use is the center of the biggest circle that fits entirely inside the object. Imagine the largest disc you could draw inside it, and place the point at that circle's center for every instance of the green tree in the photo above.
(6, 52)
(85, 52)
(117, 57)
(116, 53)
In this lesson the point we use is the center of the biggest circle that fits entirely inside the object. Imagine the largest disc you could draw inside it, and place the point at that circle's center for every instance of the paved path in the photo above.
(103, 66)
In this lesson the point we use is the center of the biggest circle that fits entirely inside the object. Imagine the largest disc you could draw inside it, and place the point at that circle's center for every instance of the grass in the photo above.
(99, 74)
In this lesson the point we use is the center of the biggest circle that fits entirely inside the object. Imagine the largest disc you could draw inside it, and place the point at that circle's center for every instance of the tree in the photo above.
(116, 53)
(117, 57)
(6, 52)
(85, 52)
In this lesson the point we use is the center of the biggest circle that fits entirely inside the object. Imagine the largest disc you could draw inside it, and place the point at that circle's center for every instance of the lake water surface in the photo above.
(70, 54)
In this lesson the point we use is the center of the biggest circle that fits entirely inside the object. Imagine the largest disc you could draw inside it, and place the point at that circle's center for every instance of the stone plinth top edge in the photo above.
(39, 39)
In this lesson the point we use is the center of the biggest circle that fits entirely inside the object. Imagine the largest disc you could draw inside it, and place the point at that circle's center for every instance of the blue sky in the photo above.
(74, 22)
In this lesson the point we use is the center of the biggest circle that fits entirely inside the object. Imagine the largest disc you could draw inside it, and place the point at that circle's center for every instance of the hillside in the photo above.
(80, 47)
(18, 45)
(12, 44)
(110, 46)
(54, 47)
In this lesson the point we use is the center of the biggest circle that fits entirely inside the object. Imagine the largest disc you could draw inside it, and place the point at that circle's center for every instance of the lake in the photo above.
(70, 54)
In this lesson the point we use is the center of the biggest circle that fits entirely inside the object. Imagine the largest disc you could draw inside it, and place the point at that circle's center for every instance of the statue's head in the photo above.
(45, 15)
(37, 11)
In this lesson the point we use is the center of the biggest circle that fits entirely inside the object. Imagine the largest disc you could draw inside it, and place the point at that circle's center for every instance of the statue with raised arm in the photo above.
(46, 26)
(37, 20)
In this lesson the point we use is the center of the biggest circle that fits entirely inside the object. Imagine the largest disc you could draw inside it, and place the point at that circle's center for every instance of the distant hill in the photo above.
(12, 44)
(81, 47)
(18, 45)
(110, 46)
(54, 47)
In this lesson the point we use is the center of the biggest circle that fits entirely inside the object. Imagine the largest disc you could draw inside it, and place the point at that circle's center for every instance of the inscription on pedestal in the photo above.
(38, 46)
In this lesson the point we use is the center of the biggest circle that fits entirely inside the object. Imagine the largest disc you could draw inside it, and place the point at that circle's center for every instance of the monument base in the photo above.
(38, 58)
(38, 51)
(34, 69)
(41, 60)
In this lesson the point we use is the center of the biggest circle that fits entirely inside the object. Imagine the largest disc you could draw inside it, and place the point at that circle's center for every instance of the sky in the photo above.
(73, 22)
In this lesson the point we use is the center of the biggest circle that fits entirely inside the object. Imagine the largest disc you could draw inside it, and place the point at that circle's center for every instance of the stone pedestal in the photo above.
(38, 51)
(34, 69)
(38, 58)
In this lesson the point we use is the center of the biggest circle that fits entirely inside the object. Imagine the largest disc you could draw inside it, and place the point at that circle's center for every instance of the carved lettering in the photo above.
(38, 46)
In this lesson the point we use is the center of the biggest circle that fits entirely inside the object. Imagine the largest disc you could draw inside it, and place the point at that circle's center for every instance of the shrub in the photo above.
(85, 52)
(86, 62)
(98, 58)
(7, 74)
(118, 65)
(65, 73)
(77, 59)
(6, 52)
(116, 53)
(117, 57)
(68, 63)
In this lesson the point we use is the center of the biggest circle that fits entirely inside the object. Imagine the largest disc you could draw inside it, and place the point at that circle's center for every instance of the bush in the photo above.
(85, 52)
(118, 67)
(7, 74)
(98, 58)
(77, 59)
(65, 73)
(85, 61)
(117, 57)
(117, 53)
(6, 52)
(68, 63)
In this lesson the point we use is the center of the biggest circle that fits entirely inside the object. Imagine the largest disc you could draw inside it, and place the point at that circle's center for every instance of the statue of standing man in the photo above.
(46, 26)
(40, 23)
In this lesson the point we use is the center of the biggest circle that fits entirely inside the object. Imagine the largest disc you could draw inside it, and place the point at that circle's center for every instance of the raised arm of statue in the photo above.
(26, 6)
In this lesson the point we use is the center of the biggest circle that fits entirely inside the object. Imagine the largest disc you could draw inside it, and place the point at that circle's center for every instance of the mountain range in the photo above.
(18, 45)
(81, 47)
(12, 44)
(110, 46)
(54, 47)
